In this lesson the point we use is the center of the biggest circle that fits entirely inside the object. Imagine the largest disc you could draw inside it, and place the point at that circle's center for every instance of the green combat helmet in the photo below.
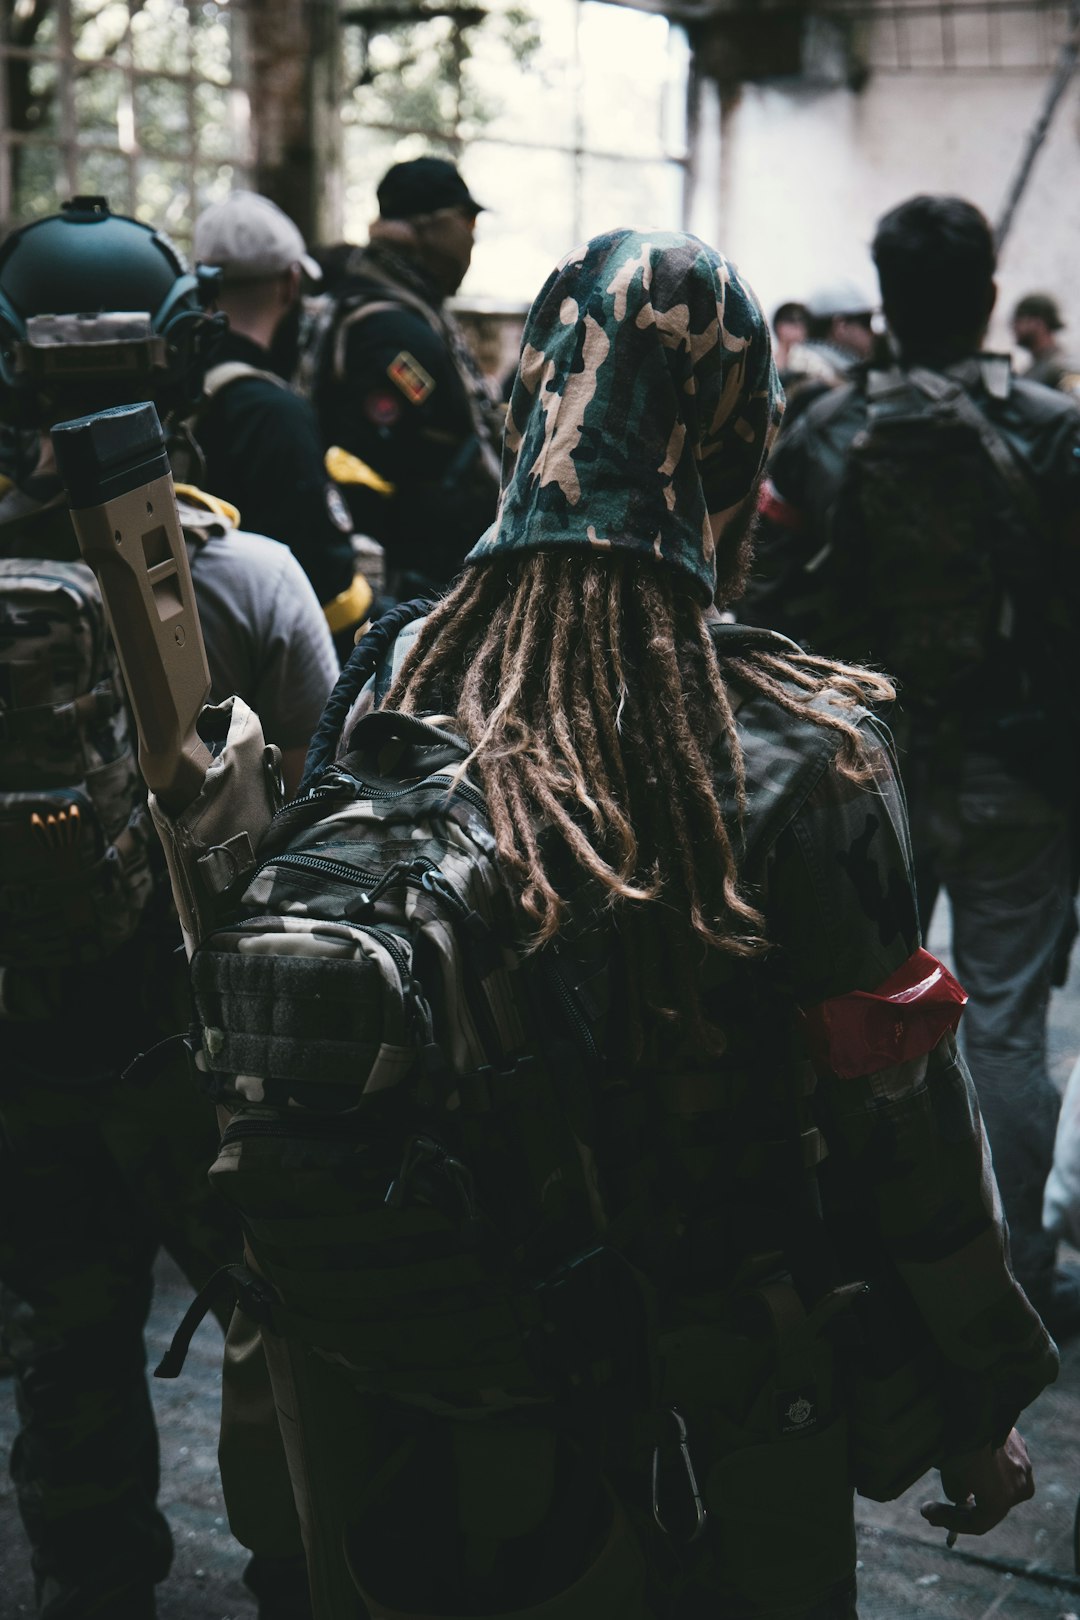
(644, 354)
(98, 310)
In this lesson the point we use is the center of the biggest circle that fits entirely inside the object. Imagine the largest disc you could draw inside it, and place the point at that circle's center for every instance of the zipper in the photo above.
(462, 790)
(573, 1009)
(406, 872)
(390, 944)
(300, 811)
(323, 864)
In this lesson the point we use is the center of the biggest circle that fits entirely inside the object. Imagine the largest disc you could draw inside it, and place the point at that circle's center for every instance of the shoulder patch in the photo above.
(408, 374)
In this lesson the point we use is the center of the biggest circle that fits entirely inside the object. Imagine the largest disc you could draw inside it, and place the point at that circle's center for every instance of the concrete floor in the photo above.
(1023, 1570)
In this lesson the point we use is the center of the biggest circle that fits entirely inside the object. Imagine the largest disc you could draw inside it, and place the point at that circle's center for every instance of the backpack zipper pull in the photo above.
(393, 874)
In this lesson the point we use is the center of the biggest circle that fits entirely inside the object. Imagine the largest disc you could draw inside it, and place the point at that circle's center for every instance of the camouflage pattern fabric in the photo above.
(908, 1169)
(76, 843)
(646, 399)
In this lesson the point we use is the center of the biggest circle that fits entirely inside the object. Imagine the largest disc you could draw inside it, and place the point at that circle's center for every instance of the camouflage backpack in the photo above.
(928, 538)
(75, 832)
(402, 1146)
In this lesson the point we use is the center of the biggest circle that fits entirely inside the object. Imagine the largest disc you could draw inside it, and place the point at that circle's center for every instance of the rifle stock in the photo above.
(123, 508)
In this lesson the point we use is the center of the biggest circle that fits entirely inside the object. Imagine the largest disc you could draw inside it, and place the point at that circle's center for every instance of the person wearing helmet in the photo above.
(259, 440)
(97, 1170)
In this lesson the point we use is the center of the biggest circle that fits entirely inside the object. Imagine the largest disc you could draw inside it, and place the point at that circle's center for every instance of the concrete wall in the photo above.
(802, 175)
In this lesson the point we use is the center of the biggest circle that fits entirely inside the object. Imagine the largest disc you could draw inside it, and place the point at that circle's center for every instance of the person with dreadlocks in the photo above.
(780, 1111)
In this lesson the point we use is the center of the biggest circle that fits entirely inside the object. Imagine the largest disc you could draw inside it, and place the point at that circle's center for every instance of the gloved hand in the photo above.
(982, 1488)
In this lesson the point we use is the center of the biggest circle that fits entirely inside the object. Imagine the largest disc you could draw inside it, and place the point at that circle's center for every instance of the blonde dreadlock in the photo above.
(591, 696)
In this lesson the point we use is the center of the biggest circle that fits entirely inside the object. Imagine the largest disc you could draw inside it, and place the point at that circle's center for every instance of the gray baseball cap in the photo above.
(248, 236)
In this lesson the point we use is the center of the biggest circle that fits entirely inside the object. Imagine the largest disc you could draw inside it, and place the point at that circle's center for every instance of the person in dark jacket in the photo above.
(927, 518)
(259, 440)
(402, 405)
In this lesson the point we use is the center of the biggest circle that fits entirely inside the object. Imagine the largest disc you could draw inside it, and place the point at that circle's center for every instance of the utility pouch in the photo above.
(210, 846)
(763, 1407)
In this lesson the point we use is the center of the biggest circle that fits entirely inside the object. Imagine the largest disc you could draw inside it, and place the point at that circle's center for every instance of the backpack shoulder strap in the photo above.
(945, 390)
(353, 313)
(229, 371)
(360, 667)
(831, 404)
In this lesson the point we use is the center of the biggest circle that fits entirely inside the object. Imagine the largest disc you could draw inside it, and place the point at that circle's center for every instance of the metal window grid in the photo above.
(572, 145)
(68, 144)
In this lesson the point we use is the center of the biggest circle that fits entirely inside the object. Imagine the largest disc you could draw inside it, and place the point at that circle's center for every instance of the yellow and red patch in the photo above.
(406, 373)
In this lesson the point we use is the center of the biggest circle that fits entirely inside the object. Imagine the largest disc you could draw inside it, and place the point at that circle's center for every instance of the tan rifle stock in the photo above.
(123, 507)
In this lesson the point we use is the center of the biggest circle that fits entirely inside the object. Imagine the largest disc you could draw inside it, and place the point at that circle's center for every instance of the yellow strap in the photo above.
(6, 483)
(345, 468)
(210, 503)
(350, 606)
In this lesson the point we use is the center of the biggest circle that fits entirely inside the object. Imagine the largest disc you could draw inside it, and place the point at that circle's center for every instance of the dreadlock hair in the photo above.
(589, 690)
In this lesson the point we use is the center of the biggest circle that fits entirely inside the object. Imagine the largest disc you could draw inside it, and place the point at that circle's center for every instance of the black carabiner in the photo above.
(700, 1514)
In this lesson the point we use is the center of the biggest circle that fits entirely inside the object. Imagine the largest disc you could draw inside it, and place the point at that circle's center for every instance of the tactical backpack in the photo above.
(930, 542)
(402, 1143)
(76, 840)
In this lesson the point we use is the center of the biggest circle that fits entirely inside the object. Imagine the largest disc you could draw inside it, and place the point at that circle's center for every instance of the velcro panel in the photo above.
(306, 1018)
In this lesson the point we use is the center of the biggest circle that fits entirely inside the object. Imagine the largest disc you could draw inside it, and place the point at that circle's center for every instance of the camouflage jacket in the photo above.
(830, 861)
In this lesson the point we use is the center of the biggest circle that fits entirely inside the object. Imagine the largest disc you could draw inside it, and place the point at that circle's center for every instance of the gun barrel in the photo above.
(123, 507)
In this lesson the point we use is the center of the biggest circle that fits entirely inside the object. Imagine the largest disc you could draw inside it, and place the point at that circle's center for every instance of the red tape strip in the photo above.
(904, 1018)
(773, 506)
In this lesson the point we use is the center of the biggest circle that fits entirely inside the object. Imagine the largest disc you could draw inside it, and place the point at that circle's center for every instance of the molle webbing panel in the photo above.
(76, 843)
(307, 1018)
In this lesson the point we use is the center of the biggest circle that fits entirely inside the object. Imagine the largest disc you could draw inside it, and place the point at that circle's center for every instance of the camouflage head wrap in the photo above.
(645, 399)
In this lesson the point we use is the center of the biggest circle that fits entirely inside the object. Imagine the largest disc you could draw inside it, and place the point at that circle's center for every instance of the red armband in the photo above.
(904, 1018)
(773, 506)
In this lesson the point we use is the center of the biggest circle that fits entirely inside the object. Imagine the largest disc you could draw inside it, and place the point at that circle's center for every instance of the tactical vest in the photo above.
(76, 843)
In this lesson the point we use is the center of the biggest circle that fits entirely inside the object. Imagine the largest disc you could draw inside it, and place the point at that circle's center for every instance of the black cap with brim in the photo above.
(422, 186)
(1042, 307)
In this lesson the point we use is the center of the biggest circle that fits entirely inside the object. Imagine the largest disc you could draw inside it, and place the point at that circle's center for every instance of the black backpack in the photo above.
(931, 545)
